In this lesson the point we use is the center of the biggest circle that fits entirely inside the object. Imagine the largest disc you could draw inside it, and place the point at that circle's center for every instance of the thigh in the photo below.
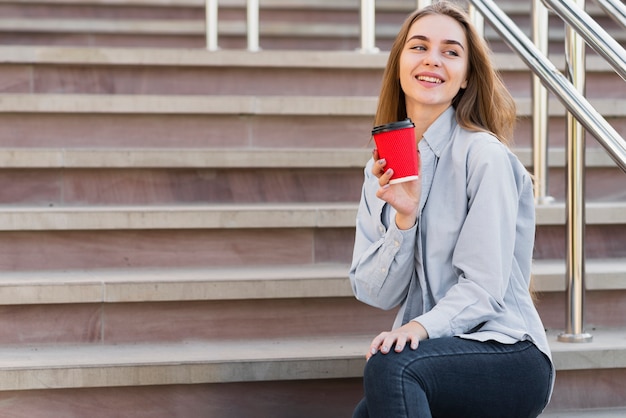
(455, 377)
(470, 378)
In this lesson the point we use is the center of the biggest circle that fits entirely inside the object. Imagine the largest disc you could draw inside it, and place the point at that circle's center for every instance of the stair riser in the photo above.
(238, 81)
(602, 309)
(189, 81)
(222, 185)
(280, 399)
(95, 11)
(59, 250)
(147, 322)
(164, 187)
(289, 399)
(178, 131)
(137, 130)
(225, 41)
(62, 250)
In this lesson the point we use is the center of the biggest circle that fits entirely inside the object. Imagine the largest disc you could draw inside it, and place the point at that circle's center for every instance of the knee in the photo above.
(380, 369)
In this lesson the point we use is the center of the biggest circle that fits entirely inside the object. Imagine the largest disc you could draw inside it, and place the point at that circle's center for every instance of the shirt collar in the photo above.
(439, 132)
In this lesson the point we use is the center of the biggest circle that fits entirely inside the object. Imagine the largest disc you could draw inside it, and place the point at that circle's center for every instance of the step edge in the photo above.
(239, 216)
(249, 283)
(238, 105)
(23, 368)
(112, 158)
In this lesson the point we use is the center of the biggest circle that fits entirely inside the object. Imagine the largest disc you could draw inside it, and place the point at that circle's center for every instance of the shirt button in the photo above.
(381, 229)
(397, 243)
(382, 270)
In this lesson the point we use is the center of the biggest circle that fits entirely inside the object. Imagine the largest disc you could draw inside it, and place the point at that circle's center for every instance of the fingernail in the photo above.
(385, 349)
(373, 350)
(382, 161)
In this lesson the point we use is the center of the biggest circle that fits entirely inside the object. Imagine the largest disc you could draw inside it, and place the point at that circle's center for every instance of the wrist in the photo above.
(419, 329)
(405, 222)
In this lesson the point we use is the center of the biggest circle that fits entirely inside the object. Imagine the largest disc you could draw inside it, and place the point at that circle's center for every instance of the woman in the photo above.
(453, 249)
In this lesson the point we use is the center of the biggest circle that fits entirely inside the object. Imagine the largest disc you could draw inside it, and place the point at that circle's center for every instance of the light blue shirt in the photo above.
(464, 269)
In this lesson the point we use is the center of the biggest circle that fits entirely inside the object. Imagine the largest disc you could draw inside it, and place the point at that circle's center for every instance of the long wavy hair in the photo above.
(485, 105)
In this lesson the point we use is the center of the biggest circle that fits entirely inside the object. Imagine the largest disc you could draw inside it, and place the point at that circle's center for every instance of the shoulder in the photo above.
(479, 145)
(480, 150)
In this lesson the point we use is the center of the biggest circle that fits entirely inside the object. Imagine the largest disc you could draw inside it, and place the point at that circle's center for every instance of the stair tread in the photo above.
(118, 56)
(91, 365)
(239, 105)
(587, 413)
(197, 27)
(232, 158)
(237, 283)
(233, 216)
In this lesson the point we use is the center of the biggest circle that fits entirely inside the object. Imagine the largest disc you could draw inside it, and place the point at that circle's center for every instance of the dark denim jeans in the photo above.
(457, 378)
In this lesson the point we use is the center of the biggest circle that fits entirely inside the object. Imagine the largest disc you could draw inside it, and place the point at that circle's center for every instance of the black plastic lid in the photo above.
(403, 124)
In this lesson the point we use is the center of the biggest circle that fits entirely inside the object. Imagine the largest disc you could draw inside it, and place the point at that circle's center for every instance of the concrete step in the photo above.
(33, 69)
(315, 215)
(295, 360)
(157, 176)
(229, 158)
(125, 305)
(239, 283)
(222, 235)
(132, 121)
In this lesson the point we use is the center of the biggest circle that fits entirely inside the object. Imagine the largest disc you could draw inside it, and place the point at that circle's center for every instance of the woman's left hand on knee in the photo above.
(410, 333)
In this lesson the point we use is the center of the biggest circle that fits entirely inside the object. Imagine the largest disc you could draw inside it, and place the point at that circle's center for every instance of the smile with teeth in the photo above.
(429, 79)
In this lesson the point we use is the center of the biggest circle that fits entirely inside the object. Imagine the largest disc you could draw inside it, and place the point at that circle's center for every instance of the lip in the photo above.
(429, 79)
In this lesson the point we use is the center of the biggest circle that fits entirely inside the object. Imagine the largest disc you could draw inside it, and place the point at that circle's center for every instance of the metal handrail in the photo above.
(540, 107)
(614, 9)
(596, 37)
(556, 82)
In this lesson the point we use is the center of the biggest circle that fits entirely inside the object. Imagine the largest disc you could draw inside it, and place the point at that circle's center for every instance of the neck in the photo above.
(423, 117)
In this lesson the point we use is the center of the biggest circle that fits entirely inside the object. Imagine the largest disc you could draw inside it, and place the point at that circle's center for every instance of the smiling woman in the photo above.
(452, 248)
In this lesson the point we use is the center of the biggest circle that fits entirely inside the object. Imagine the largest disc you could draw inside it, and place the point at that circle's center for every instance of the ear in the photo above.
(464, 84)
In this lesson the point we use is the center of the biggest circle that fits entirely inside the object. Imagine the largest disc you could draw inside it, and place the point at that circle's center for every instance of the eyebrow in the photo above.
(446, 41)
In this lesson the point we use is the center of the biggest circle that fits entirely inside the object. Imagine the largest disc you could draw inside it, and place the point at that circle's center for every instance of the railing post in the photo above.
(253, 25)
(477, 20)
(368, 27)
(575, 203)
(540, 107)
(211, 25)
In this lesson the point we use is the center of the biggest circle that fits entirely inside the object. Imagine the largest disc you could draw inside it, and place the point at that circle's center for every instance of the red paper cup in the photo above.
(396, 144)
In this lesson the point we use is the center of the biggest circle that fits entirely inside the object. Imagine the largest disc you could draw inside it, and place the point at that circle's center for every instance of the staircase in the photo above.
(176, 225)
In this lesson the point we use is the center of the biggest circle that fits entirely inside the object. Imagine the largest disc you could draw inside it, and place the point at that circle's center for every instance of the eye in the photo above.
(418, 47)
(452, 53)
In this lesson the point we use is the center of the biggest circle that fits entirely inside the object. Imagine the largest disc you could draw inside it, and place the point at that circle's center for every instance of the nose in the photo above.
(432, 58)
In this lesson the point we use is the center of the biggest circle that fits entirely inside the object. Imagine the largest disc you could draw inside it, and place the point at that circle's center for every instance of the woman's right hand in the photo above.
(403, 197)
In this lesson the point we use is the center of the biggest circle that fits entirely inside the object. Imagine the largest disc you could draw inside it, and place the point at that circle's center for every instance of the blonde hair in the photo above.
(485, 105)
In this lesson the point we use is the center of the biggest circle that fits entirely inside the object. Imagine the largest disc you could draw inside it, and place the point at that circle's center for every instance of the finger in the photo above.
(415, 342)
(400, 343)
(384, 178)
(379, 167)
(387, 343)
(375, 154)
(376, 342)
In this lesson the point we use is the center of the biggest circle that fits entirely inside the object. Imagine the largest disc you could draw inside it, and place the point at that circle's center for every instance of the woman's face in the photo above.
(433, 63)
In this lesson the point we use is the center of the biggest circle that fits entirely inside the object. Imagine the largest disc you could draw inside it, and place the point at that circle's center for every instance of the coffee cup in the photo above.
(396, 143)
